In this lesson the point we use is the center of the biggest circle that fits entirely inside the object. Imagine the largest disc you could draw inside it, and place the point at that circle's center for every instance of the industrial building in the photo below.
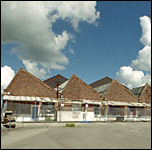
(62, 99)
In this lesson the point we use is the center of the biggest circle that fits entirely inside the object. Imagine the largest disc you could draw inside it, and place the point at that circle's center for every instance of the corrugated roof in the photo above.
(137, 91)
(52, 82)
(103, 88)
(101, 82)
(28, 98)
(114, 103)
(136, 104)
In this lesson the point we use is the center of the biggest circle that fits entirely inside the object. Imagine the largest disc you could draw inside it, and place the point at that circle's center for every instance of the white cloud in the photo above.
(34, 69)
(7, 74)
(145, 23)
(132, 78)
(143, 61)
(74, 11)
(29, 24)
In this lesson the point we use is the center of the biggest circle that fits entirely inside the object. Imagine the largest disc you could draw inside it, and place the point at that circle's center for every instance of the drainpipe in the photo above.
(107, 112)
(35, 110)
(57, 89)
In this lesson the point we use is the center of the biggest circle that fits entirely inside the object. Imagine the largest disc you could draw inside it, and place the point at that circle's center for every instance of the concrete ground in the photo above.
(118, 135)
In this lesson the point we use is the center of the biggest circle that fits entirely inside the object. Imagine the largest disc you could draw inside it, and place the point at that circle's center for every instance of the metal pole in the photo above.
(9, 123)
(145, 112)
(57, 89)
(108, 112)
(128, 113)
(35, 111)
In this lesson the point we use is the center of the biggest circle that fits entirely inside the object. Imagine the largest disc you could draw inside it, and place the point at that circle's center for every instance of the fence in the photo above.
(130, 113)
(47, 112)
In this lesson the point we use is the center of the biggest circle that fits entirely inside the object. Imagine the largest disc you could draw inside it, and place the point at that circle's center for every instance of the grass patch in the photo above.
(69, 125)
(46, 120)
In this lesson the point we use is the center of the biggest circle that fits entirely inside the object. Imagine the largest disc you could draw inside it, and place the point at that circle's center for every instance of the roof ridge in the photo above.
(127, 90)
(41, 82)
(85, 84)
(146, 86)
(100, 80)
(13, 79)
(32, 76)
(56, 76)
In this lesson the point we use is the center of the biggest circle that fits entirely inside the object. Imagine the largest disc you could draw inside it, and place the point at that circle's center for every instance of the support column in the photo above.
(107, 112)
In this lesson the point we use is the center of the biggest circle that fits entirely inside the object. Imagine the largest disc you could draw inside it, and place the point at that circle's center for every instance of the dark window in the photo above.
(96, 110)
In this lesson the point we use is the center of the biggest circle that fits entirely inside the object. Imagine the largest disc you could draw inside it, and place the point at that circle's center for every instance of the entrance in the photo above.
(34, 112)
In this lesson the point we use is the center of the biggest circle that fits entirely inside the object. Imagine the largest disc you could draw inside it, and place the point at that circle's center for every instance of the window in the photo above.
(76, 107)
(48, 108)
(96, 110)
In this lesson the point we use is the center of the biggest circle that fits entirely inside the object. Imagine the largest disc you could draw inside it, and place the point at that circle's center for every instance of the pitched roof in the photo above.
(145, 95)
(101, 82)
(125, 89)
(26, 84)
(103, 89)
(52, 82)
(77, 89)
(137, 91)
(114, 86)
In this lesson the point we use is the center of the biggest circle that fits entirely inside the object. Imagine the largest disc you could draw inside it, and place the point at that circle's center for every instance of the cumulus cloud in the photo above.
(145, 23)
(74, 12)
(143, 61)
(132, 78)
(7, 74)
(133, 75)
(29, 24)
(34, 69)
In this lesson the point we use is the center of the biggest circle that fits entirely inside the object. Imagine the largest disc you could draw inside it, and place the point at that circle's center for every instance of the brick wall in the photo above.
(146, 95)
(77, 89)
(25, 85)
(117, 92)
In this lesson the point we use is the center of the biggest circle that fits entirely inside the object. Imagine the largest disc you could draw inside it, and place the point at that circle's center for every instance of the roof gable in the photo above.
(101, 82)
(26, 84)
(52, 82)
(78, 89)
(145, 96)
(117, 92)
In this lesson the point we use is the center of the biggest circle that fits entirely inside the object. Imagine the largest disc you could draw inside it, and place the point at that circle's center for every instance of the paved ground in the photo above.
(89, 136)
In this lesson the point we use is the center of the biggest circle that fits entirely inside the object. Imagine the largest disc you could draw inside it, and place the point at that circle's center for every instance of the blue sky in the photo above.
(97, 50)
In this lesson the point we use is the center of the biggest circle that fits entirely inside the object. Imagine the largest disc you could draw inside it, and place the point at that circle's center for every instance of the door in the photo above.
(34, 112)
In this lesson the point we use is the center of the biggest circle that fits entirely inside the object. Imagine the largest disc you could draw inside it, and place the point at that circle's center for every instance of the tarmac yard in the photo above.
(119, 135)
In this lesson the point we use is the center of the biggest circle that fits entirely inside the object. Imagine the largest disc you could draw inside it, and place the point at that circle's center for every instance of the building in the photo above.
(62, 99)
(120, 100)
(28, 97)
(79, 101)
(52, 82)
(143, 93)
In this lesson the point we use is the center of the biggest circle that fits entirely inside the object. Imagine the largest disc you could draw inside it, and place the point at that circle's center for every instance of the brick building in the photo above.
(143, 93)
(121, 100)
(72, 99)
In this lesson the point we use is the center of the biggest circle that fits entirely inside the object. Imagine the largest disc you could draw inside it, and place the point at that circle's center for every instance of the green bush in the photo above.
(69, 125)
(48, 120)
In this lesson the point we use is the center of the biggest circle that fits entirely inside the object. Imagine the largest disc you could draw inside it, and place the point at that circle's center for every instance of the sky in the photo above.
(89, 39)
